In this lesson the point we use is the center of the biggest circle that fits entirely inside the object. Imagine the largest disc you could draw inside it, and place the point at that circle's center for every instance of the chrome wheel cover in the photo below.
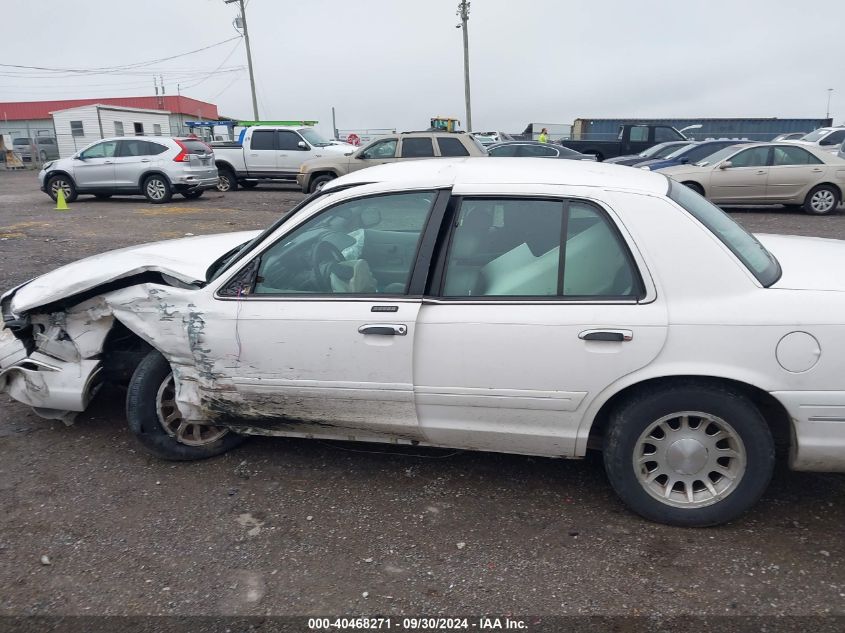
(170, 418)
(822, 201)
(223, 184)
(689, 459)
(156, 189)
(57, 184)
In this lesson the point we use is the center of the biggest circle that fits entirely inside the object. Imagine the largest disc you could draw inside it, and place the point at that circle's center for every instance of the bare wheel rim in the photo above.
(689, 459)
(156, 189)
(175, 426)
(223, 183)
(64, 185)
(823, 200)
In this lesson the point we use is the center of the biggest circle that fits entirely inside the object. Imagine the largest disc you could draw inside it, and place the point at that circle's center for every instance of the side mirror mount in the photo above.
(302, 145)
(79, 157)
(725, 164)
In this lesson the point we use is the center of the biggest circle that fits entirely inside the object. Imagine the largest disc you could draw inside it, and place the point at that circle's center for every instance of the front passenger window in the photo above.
(100, 150)
(754, 157)
(380, 149)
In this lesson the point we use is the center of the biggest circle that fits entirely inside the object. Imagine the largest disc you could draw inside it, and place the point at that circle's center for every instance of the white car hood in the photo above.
(186, 259)
(807, 263)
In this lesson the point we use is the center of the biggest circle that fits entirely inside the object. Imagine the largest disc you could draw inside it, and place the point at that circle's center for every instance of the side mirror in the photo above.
(79, 157)
(302, 145)
(725, 165)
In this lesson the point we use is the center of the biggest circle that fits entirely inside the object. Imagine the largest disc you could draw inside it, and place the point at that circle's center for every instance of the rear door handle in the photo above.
(384, 329)
(761, 172)
(606, 335)
(145, 160)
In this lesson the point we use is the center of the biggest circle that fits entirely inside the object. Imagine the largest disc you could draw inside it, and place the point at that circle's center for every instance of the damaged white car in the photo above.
(519, 305)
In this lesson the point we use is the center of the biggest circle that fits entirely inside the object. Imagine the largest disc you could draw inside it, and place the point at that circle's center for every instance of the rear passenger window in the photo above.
(263, 140)
(155, 148)
(536, 248)
(794, 156)
(417, 148)
(450, 146)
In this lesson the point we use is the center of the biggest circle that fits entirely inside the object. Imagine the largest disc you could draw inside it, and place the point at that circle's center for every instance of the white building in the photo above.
(78, 127)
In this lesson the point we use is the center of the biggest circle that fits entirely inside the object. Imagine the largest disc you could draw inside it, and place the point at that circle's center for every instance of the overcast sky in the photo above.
(395, 63)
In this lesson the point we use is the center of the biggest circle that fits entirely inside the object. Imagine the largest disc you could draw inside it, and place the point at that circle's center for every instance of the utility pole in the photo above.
(248, 57)
(829, 92)
(463, 13)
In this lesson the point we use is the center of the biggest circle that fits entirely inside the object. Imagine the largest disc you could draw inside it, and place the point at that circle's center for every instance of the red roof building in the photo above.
(29, 110)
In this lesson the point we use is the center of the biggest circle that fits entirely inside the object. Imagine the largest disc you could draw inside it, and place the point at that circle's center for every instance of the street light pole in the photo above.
(248, 57)
(829, 92)
(463, 13)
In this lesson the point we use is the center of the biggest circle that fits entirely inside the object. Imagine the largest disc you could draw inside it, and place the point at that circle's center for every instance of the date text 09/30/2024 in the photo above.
(482, 623)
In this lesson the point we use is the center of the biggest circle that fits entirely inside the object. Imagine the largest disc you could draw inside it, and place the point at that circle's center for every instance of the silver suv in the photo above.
(153, 166)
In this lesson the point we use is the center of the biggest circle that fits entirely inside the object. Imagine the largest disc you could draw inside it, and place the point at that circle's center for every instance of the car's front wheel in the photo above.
(65, 184)
(822, 200)
(156, 421)
(157, 189)
(319, 182)
(689, 455)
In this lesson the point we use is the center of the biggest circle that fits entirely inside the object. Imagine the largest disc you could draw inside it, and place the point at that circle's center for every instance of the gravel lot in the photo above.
(304, 527)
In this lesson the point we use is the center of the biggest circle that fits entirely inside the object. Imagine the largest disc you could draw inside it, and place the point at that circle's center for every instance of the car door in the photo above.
(320, 341)
(742, 177)
(536, 307)
(261, 155)
(793, 171)
(93, 167)
(289, 153)
(132, 159)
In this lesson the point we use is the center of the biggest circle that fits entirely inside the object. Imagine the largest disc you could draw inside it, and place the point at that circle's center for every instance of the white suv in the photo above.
(153, 166)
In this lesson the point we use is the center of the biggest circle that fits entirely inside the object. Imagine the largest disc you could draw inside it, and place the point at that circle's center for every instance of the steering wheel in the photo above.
(324, 256)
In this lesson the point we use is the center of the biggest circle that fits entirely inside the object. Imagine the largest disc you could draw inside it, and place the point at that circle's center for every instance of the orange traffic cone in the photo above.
(61, 203)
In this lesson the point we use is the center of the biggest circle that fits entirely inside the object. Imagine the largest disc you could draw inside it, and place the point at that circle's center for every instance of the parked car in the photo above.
(490, 138)
(692, 153)
(829, 138)
(153, 166)
(535, 149)
(45, 147)
(768, 173)
(790, 136)
(394, 148)
(271, 153)
(632, 139)
(661, 150)
(841, 152)
(440, 311)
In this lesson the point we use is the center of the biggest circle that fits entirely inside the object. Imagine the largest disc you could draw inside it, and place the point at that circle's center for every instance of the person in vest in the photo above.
(544, 136)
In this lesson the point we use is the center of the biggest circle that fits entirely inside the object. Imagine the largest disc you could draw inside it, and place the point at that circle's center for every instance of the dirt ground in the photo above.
(306, 527)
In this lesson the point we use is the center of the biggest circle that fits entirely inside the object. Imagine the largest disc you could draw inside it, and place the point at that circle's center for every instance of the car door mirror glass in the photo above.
(302, 145)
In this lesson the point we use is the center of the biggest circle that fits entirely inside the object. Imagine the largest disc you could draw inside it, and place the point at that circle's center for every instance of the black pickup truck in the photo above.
(632, 139)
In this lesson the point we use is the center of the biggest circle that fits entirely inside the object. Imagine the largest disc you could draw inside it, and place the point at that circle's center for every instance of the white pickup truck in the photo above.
(270, 153)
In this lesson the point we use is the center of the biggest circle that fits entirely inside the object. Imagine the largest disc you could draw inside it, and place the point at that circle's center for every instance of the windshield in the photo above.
(659, 151)
(745, 246)
(679, 151)
(815, 135)
(314, 138)
(715, 157)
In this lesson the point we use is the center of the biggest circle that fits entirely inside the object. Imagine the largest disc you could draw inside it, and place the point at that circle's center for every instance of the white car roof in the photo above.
(445, 172)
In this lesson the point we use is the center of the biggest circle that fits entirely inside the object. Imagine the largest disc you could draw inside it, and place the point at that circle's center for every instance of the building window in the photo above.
(139, 129)
(118, 128)
(76, 128)
(156, 129)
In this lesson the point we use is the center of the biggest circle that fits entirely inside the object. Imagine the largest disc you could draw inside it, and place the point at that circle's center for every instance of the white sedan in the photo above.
(518, 305)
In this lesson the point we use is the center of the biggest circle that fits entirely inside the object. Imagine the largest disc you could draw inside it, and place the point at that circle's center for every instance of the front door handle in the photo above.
(761, 172)
(606, 335)
(384, 329)
(145, 160)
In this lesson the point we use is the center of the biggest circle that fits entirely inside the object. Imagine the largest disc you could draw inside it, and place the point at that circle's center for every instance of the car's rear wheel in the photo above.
(157, 423)
(695, 187)
(65, 184)
(248, 184)
(822, 200)
(192, 195)
(226, 180)
(318, 182)
(692, 455)
(157, 189)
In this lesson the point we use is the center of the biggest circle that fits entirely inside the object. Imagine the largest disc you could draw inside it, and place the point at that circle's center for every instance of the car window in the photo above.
(503, 150)
(451, 146)
(754, 157)
(287, 140)
(745, 246)
(513, 247)
(417, 148)
(785, 155)
(815, 135)
(834, 139)
(100, 150)
(157, 148)
(133, 147)
(536, 150)
(700, 152)
(194, 146)
(639, 133)
(263, 140)
(363, 246)
(385, 148)
(663, 133)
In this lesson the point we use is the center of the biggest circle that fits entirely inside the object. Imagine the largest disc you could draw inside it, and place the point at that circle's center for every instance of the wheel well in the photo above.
(772, 411)
(694, 186)
(223, 165)
(830, 184)
(58, 172)
(153, 173)
(122, 351)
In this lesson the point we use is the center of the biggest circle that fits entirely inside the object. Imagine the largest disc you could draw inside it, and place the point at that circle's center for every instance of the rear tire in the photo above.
(822, 200)
(192, 195)
(61, 182)
(226, 180)
(710, 469)
(319, 182)
(157, 189)
(157, 423)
